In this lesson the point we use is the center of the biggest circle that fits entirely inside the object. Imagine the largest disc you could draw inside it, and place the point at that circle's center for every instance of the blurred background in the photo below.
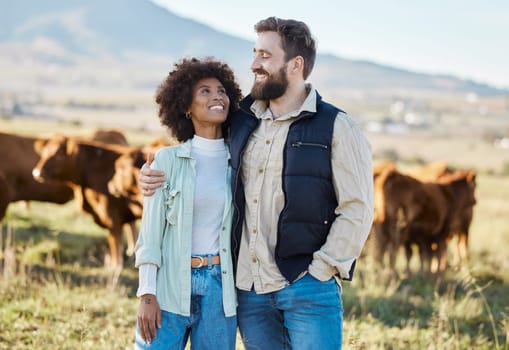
(427, 82)
(406, 71)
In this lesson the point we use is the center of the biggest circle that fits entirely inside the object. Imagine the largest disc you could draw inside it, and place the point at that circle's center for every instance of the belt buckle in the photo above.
(202, 261)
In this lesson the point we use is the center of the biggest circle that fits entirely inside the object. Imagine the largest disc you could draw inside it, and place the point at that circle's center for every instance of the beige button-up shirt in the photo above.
(262, 165)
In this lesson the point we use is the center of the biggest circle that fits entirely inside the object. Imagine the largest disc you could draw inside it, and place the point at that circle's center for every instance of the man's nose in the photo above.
(255, 64)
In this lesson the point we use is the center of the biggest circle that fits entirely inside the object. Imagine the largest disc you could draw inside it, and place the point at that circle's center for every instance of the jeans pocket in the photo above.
(216, 273)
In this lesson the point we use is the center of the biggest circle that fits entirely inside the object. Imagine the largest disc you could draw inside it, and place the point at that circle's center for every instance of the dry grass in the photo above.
(55, 293)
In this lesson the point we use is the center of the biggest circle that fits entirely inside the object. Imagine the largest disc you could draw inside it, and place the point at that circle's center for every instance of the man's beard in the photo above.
(274, 86)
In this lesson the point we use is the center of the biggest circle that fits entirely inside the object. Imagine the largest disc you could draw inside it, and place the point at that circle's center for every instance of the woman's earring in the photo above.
(188, 115)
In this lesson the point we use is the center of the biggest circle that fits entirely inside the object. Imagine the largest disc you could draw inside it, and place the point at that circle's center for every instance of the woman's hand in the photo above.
(149, 317)
(150, 179)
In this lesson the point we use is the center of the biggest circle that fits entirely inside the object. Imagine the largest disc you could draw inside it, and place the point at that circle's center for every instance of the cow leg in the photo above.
(393, 250)
(5, 197)
(116, 251)
(132, 236)
(3, 208)
(434, 260)
(408, 255)
(462, 248)
(441, 256)
(426, 255)
(380, 245)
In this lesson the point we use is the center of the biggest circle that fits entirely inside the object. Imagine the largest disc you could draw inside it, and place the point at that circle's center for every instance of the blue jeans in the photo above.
(307, 314)
(207, 327)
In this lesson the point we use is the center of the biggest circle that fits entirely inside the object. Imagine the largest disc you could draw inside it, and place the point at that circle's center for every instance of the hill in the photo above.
(72, 32)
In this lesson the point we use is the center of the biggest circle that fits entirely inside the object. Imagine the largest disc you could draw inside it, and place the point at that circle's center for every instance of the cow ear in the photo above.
(39, 145)
(71, 146)
(139, 158)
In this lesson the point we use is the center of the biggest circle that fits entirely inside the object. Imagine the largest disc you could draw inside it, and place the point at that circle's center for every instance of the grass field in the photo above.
(55, 293)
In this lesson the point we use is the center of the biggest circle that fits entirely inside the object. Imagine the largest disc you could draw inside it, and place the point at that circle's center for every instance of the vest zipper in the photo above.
(300, 143)
(236, 243)
(238, 216)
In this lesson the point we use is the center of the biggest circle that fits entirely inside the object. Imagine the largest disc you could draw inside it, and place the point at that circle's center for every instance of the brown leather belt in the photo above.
(200, 261)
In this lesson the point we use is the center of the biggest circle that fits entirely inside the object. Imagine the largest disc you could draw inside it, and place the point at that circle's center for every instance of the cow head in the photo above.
(124, 182)
(56, 163)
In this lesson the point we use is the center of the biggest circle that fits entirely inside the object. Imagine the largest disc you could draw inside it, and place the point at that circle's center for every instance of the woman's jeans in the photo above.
(307, 314)
(207, 327)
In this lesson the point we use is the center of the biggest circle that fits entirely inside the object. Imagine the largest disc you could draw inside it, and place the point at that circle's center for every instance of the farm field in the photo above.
(56, 294)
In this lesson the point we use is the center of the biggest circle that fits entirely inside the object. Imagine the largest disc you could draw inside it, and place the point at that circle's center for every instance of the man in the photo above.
(303, 196)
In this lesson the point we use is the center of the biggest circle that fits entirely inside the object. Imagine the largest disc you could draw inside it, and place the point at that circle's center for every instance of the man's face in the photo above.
(269, 67)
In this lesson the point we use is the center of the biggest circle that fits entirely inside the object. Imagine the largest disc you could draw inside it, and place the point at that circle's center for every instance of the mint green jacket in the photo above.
(166, 232)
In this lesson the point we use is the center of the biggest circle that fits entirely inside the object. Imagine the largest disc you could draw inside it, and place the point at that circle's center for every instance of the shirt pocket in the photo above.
(249, 158)
(171, 197)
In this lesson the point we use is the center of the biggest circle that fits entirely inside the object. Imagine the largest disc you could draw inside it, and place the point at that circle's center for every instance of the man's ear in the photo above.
(297, 64)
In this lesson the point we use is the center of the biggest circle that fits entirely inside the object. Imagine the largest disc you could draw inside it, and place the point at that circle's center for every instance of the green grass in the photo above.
(54, 313)
(61, 297)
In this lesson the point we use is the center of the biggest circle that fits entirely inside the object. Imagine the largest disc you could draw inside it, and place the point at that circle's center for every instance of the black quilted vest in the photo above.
(310, 201)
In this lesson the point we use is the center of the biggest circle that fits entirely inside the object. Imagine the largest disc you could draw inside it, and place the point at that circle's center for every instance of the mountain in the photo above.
(63, 31)
(113, 27)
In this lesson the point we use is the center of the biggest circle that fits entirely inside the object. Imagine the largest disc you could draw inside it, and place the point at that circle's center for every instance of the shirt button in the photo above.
(224, 272)
(325, 222)
(254, 260)
(260, 171)
(254, 231)
(223, 228)
(224, 250)
(267, 142)
(255, 200)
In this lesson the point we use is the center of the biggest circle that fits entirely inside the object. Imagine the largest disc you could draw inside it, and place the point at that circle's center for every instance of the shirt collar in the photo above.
(261, 109)
(184, 150)
(212, 145)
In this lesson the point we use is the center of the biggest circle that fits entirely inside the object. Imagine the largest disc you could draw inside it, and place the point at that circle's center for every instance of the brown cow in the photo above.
(380, 166)
(159, 142)
(431, 172)
(90, 165)
(426, 214)
(112, 136)
(17, 159)
(402, 201)
(463, 201)
(124, 183)
(127, 170)
(4, 193)
(441, 172)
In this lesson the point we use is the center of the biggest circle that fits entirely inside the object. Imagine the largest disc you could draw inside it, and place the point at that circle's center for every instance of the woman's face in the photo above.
(210, 104)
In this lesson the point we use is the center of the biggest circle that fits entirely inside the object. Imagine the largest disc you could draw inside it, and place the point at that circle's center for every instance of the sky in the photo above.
(465, 38)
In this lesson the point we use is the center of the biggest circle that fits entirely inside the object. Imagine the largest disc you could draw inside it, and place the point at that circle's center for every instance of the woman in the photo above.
(186, 285)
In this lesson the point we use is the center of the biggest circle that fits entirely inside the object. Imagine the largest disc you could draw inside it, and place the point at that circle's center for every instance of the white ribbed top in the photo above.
(209, 193)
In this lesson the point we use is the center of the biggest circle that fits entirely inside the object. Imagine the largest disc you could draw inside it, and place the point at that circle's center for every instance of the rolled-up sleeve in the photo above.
(153, 221)
(353, 183)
